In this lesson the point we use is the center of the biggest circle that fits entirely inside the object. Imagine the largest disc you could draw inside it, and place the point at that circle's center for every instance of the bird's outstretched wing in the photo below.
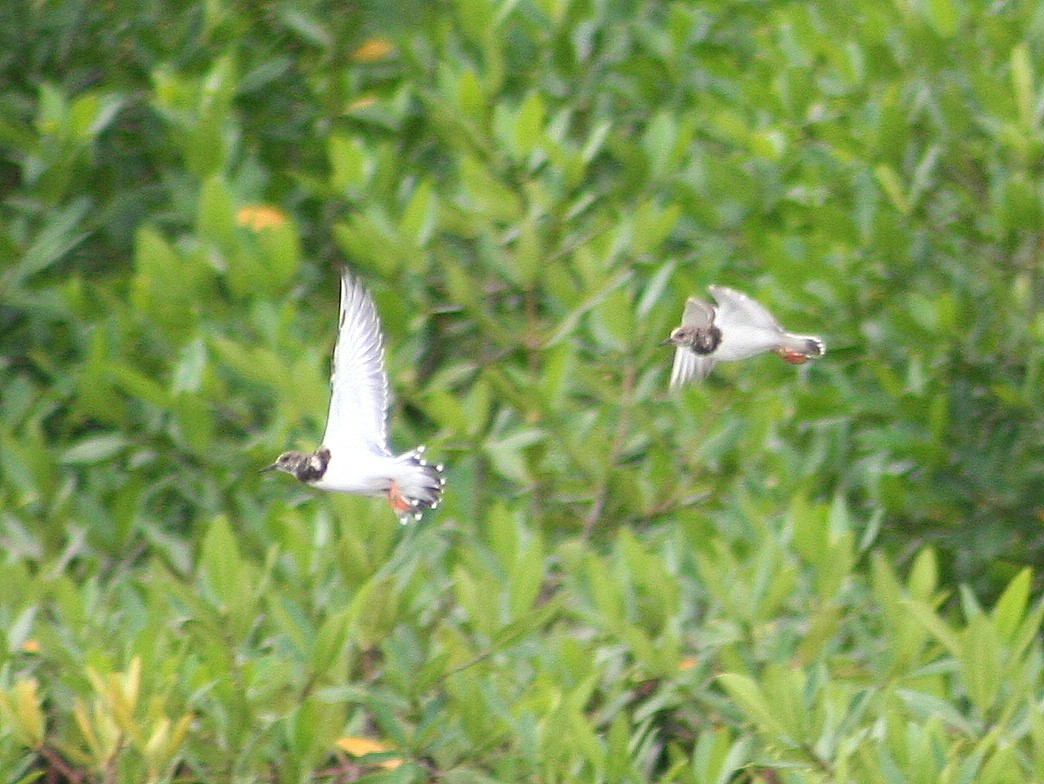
(688, 365)
(735, 308)
(357, 420)
(697, 313)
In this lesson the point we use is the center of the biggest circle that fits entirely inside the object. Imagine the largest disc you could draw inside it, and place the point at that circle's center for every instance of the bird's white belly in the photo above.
(741, 341)
(363, 473)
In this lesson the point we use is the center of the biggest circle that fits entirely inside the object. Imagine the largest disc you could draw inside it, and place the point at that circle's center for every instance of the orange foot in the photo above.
(793, 357)
(400, 504)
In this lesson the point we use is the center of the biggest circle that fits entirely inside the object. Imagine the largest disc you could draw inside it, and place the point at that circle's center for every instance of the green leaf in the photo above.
(893, 188)
(420, 216)
(529, 254)
(63, 231)
(717, 756)
(195, 424)
(91, 113)
(507, 452)
(529, 123)
(139, 385)
(330, 640)
(276, 261)
(923, 579)
(478, 598)
(485, 194)
(1022, 85)
(476, 18)
(1010, 609)
(526, 577)
(1002, 767)
(927, 707)
(216, 221)
(810, 523)
(351, 167)
(470, 95)
(222, 566)
(943, 16)
(934, 625)
(618, 757)
(612, 319)
(981, 662)
(652, 225)
(95, 449)
(257, 364)
(188, 374)
(308, 27)
(754, 703)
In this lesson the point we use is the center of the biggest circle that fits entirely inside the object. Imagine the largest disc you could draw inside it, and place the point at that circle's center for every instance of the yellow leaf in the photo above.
(30, 717)
(359, 747)
(83, 721)
(361, 102)
(259, 216)
(371, 50)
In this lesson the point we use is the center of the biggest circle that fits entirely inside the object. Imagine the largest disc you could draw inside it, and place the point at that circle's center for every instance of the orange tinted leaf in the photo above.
(371, 50)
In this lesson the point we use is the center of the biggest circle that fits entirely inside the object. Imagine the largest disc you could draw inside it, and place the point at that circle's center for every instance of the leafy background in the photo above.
(811, 574)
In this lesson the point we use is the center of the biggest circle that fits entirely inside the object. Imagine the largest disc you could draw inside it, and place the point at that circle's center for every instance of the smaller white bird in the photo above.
(736, 328)
(354, 456)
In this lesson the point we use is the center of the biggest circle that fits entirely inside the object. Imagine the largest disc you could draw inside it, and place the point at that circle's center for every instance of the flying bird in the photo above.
(736, 327)
(354, 455)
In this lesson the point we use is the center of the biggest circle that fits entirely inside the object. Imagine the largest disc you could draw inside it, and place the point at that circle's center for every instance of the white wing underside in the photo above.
(357, 419)
(688, 365)
(697, 313)
(736, 308)
(747, 328)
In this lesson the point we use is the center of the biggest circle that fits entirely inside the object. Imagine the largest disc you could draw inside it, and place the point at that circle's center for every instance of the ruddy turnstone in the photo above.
(736, 328)
(354, 455)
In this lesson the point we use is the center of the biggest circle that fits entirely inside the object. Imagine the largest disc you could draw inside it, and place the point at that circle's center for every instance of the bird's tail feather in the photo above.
(807, 346)
(419, 484)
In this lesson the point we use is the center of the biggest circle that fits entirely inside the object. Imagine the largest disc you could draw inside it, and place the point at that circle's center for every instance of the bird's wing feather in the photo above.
(697, 313)
(357, 420)
(735, 308)
(689, 366)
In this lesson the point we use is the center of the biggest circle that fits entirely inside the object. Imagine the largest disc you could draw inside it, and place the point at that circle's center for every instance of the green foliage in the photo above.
(771, 577)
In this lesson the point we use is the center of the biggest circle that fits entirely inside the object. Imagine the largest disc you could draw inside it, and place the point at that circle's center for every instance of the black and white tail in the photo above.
(807, 345)
(419, 484)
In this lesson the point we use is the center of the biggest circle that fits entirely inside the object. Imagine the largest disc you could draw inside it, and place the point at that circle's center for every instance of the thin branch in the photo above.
(55, 760)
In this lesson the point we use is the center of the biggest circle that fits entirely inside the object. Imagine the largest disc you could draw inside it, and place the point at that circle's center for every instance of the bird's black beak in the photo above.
(667, 342)
(272, 467)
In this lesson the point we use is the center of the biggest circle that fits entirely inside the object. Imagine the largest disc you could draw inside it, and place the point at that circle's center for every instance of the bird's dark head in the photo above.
(289, 462)
(697, 338)
(678, 337)
(307, 467)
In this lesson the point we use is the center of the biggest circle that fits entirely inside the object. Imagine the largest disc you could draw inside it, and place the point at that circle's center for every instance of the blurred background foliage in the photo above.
(530, 188)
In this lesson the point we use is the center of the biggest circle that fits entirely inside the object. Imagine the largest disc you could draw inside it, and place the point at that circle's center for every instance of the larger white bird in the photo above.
(736, 328)
(354, 456)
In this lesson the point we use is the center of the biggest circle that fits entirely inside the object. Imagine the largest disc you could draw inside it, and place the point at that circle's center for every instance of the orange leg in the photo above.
(793, 357)
(400, 504)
